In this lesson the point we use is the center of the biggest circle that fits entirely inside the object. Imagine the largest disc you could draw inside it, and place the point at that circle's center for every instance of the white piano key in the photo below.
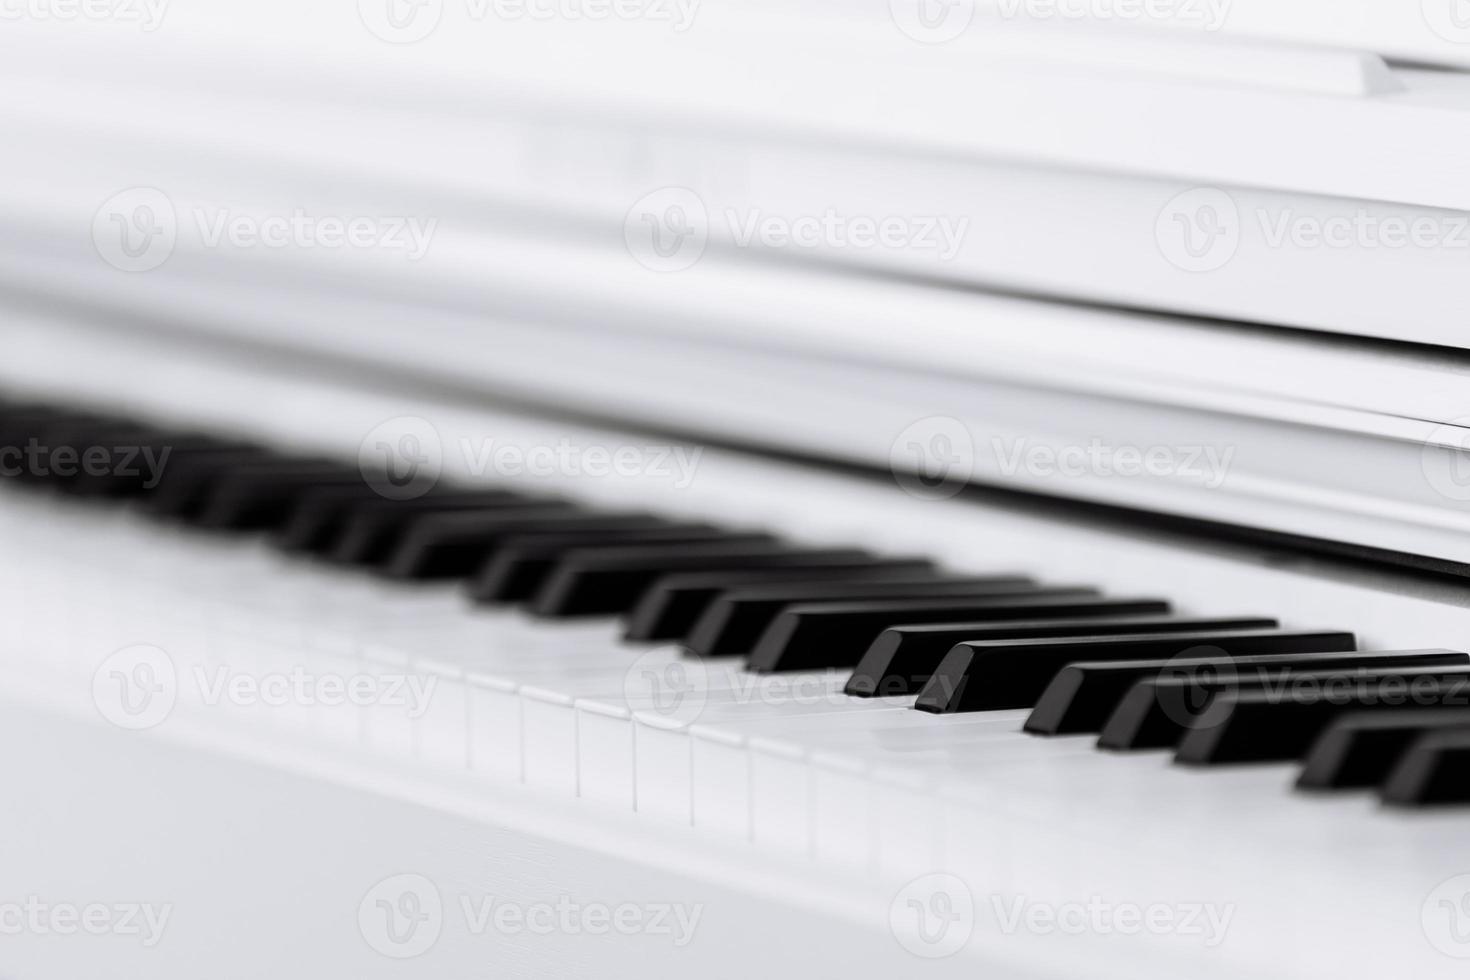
(662, 767)
(723, 723)
(546, 745)
(495, 745)
(552, 700)
(566, 696)
(846, 762)
(781, 805)
(844, 825)
(548, 740)
(494, 729)
(605, 755)
(443, 732)
(388, 726)
(908, 824)
(720, 793)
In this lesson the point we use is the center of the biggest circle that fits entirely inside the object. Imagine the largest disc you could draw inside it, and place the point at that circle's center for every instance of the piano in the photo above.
(685, 487)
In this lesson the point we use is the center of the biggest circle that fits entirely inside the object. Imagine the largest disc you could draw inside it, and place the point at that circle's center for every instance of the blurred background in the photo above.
(808, 225)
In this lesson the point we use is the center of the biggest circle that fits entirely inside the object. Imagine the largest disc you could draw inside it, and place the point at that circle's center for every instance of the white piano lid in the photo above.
(1204, 109)
(1429, 32)
(1040, 231)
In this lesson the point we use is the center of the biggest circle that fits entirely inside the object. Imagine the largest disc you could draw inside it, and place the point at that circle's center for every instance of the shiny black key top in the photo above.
(611, 581)
(732, 624)
(1434, 770)
(440, 546)
(901, 660)
(1360, 750)
(822, 636)
(1014, 673)
(671, 607)
(519, 567)
(1266, 725)
(253, 498)
(371, 530)
(1155, 713)
(1083, 696)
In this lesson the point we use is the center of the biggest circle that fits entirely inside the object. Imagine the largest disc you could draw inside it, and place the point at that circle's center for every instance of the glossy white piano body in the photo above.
(1051, 163)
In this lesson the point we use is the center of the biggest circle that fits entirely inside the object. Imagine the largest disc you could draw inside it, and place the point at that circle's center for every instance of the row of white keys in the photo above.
(792, 809)
(977, 796)
(673, 752)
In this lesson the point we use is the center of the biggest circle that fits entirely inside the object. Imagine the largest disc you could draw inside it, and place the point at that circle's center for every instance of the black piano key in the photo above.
(674, 603)
(30, 440)
(92, 455)
(1083, 696)
(1356, 751)
(519, 567)
(47, 450)
(1265, 725)
(187, 480)
(440, 546)
(139, 460)
(1156, 712)
(259, 497)
(1014, 673)
(901, 660)
(827, 635)
(732, 624)
(35, 425)
(320, 514)
(20, 422)
(371, 531)
(321, 519)
(1434, 770)
(612, 581)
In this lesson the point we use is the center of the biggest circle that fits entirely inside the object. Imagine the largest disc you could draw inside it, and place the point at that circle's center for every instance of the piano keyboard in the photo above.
(813, 668)
(512, 456)
(871, 638)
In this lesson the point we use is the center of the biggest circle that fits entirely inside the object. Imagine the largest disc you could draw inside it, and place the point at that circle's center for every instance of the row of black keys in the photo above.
(1217, 690)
